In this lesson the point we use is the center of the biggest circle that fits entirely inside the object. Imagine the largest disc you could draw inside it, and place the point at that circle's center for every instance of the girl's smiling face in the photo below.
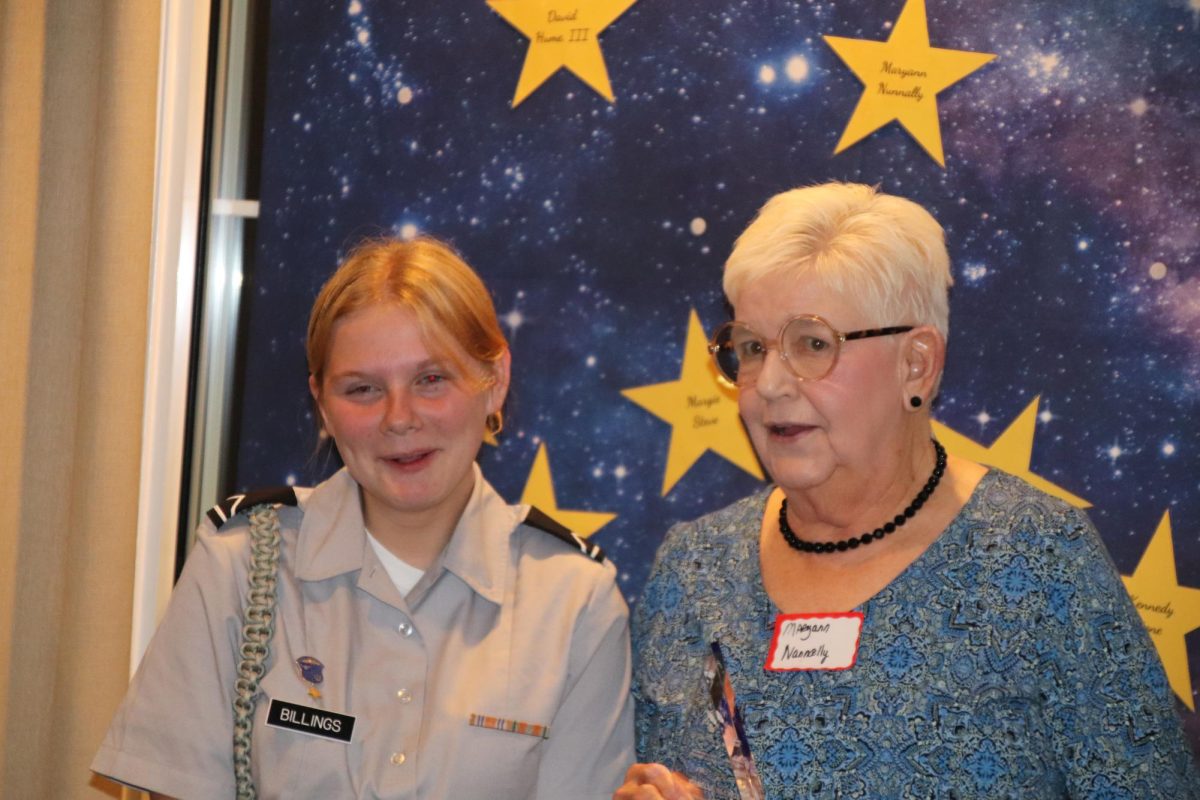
(407, 423)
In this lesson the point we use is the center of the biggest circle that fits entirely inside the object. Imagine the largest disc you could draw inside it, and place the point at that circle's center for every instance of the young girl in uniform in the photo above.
(398, 631)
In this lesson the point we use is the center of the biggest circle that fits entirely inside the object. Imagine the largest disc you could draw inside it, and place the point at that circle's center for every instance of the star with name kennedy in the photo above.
(901, 80)
(1169, 610)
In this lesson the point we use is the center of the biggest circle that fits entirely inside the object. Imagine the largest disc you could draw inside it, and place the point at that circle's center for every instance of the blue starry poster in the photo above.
(595, 161)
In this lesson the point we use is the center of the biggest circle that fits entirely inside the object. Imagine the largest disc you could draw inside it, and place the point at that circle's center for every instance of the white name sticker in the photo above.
(815, 641)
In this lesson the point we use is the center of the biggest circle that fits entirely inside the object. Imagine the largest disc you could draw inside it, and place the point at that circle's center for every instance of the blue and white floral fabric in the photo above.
(1006, 662)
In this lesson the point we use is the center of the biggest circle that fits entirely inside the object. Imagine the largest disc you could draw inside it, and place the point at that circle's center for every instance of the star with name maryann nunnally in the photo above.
(701, 409)
(1169, 610)
(562, 33)
(539, 491)
(901, 80)
(1011, 451)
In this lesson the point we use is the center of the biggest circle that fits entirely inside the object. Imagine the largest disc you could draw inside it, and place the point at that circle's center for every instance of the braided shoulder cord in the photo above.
(257, 631)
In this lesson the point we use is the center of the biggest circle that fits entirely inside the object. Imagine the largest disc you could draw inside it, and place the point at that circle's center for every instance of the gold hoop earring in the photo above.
(494, 422)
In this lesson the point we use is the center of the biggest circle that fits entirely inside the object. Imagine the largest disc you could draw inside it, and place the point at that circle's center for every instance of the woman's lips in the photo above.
(410, 462)
(787, 430)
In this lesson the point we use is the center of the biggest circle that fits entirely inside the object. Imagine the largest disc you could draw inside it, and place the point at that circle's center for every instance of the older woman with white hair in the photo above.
(887, 620)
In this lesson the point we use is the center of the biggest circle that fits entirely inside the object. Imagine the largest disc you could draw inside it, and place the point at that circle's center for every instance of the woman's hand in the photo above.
(656, 782)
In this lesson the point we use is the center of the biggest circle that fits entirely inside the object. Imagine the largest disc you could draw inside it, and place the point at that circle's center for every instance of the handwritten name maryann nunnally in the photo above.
(788, 652)
(889, 68)
(803, 630)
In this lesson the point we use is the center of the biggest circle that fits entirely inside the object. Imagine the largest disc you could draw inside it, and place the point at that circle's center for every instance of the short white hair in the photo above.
(884, 253)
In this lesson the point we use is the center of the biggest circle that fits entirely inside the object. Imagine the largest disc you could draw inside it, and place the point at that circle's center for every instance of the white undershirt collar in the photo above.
(403, 574)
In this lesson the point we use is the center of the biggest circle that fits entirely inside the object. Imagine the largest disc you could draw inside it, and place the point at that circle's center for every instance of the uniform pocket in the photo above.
(291, 763)
(498, 763)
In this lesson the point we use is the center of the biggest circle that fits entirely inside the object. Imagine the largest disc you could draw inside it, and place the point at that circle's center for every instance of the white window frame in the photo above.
(179, 153)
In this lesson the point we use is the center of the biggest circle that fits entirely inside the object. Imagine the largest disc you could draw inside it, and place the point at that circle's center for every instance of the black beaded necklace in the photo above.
(797, 543)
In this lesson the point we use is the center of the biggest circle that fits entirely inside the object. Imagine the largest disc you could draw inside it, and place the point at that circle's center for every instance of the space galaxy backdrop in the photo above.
(1070, 198)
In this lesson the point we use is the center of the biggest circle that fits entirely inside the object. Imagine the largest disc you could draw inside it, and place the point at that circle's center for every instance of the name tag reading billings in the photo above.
(815, 641)
(313, 721)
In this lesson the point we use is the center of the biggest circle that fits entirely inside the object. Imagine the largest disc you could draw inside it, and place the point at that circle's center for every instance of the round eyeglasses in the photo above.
(808, 345)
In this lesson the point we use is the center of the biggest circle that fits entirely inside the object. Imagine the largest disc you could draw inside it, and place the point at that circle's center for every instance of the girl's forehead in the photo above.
(389, 337)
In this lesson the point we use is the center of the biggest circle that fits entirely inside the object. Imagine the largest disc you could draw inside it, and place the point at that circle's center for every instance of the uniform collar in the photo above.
(477, 553)
(331, 537)
(332, 541)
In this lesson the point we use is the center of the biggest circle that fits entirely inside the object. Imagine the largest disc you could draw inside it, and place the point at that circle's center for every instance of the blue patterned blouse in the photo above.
(1006, 662)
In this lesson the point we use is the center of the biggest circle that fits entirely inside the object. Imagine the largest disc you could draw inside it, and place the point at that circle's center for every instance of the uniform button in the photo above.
(398, 758)
(405, 628)
(404, 695)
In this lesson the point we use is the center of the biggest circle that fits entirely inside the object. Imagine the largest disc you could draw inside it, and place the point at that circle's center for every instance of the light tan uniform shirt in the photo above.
(510, 622)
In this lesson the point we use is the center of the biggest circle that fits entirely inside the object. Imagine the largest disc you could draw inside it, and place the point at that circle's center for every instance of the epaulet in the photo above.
(536, 518)
(223, 512)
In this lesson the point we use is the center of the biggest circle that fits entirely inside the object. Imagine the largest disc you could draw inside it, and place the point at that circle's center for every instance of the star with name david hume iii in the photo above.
(562, 34)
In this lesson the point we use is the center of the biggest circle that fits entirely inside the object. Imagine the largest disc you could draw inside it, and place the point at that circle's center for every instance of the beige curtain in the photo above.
(77, 125)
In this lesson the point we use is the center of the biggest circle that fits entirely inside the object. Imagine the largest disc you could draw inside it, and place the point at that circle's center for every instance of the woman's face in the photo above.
(407, 424)
(807, 432)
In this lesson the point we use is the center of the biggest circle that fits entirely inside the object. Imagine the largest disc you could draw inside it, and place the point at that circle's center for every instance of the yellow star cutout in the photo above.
(1169, 610)
(1011, 451)
(901, 80)
(701, 409)
(539, 491)
(562, 34)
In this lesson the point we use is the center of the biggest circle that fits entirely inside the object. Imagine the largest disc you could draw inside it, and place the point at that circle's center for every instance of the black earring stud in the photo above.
(914, 401)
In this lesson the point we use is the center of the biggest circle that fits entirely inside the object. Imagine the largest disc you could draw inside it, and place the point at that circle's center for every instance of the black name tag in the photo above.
(313, 721)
